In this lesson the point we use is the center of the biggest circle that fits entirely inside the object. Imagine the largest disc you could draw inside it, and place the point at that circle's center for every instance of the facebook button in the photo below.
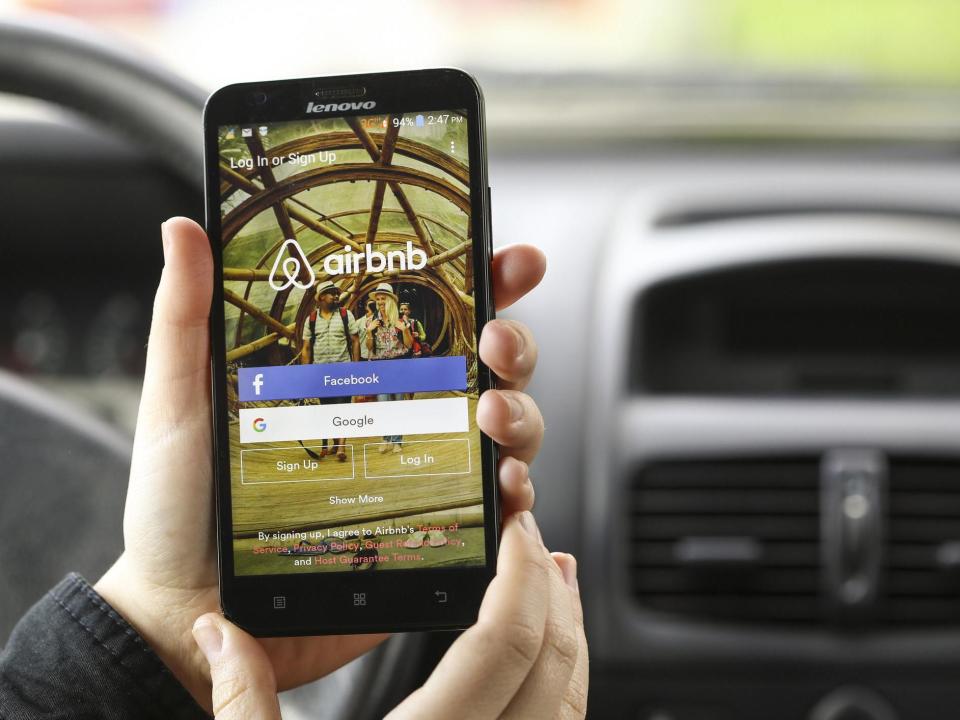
(293, 382)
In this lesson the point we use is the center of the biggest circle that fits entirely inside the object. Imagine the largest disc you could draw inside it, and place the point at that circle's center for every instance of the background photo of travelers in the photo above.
(330, 335)
(348, 240)
(389, 336)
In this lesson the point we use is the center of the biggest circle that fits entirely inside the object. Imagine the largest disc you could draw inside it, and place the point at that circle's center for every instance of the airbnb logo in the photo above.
(291, 265)
(349, 262)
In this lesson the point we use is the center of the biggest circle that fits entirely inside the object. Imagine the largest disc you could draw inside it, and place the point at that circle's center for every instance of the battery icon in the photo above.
(419, 120)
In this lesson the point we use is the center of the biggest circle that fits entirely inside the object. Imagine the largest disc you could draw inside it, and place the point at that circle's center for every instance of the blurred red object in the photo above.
(86, 8)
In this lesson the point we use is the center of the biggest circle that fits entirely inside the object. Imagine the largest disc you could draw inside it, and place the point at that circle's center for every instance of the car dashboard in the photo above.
(748, 371)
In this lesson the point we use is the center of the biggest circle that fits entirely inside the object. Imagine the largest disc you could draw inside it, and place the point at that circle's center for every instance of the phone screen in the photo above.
(351, 344)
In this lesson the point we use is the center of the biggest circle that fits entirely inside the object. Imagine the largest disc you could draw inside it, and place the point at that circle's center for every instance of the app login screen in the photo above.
(351, 344)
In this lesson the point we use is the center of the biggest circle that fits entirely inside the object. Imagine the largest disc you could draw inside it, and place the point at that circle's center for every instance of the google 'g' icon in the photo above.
(259, 424)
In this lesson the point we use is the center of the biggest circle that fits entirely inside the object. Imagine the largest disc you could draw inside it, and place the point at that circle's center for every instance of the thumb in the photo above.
(178, 355)
(170, 491)
(244, 685)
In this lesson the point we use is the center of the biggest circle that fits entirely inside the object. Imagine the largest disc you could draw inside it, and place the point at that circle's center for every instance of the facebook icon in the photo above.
(257, 383)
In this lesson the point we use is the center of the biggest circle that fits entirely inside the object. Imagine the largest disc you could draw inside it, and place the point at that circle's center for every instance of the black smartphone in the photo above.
(355, 492)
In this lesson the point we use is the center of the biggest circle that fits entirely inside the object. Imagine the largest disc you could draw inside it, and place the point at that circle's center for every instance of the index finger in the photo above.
(517, 269)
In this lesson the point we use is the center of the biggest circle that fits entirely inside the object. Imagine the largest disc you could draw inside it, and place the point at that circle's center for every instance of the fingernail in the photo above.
(165, 238)
(529, 524)
(569, 569)
(516, 408)
(208, 637)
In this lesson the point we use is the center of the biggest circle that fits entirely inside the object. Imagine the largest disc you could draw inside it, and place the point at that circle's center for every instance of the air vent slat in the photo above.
(797, 609)
(933, 476)
(775, 554)
(769, 581)
(924, 530)
(908, 556)
(922, 611)
(766, 526)
(703, 475)
(905, 583)
(730, 501)
(924, 504)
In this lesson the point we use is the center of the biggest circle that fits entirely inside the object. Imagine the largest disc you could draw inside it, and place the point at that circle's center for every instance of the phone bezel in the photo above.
(244, 598)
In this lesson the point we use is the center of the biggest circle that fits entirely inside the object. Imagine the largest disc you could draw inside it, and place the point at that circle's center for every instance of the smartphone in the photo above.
(355, 492)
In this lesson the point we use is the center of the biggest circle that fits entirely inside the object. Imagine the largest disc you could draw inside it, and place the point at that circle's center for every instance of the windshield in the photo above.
(215, 42)
(597, 71)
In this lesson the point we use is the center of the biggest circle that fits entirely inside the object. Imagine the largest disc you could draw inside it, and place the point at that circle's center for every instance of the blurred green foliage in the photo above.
(911, 41)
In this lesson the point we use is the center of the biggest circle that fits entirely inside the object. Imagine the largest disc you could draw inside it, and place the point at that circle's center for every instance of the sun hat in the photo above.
(386, 289)
(327, 286)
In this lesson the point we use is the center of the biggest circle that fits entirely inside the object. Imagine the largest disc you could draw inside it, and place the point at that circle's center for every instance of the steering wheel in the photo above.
(72, 66)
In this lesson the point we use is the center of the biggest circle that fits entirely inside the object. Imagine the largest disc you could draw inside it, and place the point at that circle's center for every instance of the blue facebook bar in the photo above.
(293, 382)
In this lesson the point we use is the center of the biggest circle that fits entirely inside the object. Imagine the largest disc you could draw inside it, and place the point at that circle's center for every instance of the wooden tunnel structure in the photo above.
(447, 276)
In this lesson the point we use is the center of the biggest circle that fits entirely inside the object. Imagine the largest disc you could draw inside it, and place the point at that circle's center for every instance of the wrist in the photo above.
(164, 621)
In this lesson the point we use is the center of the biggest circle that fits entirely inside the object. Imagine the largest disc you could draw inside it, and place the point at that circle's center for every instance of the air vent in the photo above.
(729, 541)
(740, 541)
(922, 584)
(841, 327)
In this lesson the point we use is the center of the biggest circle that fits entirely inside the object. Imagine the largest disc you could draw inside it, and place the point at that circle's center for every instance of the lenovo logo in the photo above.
(313, 107)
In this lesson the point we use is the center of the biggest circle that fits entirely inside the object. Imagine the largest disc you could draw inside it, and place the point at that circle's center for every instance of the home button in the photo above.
(853, 703)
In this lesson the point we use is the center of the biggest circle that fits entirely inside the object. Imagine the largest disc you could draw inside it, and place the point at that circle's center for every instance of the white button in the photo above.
(353, 420)
(418, 458)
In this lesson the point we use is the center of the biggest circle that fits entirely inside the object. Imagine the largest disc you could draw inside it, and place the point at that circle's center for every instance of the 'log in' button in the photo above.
(417, 458)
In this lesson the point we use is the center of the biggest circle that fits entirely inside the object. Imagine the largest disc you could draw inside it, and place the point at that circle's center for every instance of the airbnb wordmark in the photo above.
(349, 262)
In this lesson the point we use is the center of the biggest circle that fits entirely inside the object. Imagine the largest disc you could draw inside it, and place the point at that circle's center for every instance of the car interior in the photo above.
(748, 366)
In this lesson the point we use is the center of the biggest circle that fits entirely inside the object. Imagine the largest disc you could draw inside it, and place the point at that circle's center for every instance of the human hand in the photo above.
(167, 574)
(525, 658)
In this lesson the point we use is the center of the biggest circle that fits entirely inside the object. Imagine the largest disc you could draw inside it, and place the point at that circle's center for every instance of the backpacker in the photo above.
(312, 325)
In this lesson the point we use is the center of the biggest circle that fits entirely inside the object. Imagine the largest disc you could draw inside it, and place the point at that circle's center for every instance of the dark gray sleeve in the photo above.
(73, 656)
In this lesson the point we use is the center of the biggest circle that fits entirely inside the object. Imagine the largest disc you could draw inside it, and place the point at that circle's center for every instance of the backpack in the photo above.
(420, 348)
